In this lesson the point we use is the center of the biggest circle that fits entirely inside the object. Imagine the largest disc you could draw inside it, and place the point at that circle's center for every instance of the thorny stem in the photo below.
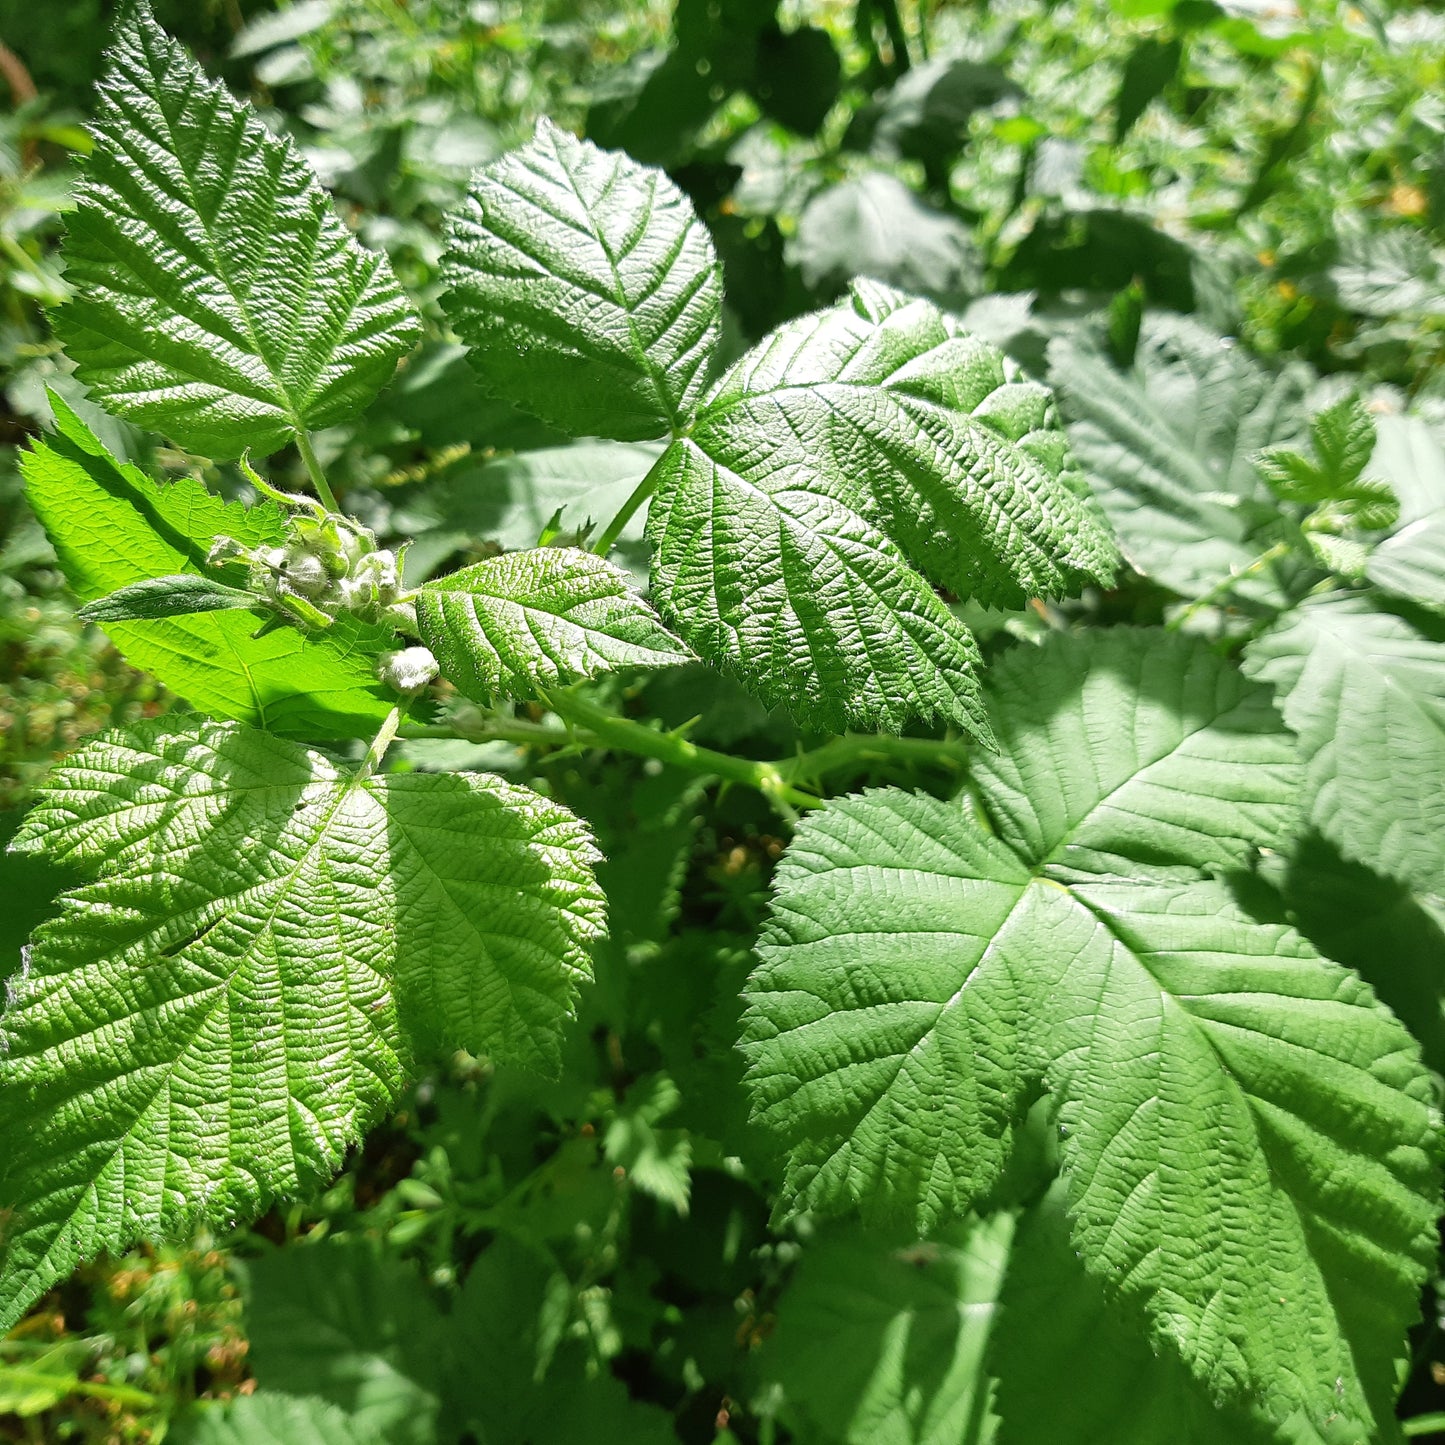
(590, 726)
(313, 470)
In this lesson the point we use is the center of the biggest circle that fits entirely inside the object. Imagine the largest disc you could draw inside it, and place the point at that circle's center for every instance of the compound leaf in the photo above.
(1248, 1136)
(846, 449)
(1365, 692)
(219, 299)
(113, 527)
(553, 615)
(585, 286)
(269, 938)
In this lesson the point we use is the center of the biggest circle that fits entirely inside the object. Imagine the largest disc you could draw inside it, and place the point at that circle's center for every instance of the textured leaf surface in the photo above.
(1168, 449)
(1366, 694)
(553, 615)
(1247, 1133)
(176, 596)
(112, 526)
(1111, 1384)
(585, 286)
(848, 448)
(218, 1017)
(219, 298)
(885, 1344)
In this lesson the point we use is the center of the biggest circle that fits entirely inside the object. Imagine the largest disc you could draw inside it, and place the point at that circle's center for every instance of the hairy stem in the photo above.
(640, 493)
(313, 470)
(1227, 584)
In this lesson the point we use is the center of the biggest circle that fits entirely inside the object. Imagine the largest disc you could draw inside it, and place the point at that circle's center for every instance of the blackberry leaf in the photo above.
(549, 616)
(269, 939)
(219, 299)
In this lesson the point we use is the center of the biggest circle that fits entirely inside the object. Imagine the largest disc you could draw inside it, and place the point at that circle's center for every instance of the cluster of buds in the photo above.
(329, 565)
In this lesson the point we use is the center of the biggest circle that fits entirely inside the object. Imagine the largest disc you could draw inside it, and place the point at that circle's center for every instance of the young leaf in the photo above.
(270, 1418)
(1215, 1079)
(113, 527)
(219, 299)
(1366, 693)
(1169, 447)
(554, 615)
(177, 596)
(218, 1017)
(846, 445)
(585, 286)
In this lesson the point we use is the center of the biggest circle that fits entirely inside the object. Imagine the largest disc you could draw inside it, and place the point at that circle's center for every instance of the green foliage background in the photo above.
(1105, 189)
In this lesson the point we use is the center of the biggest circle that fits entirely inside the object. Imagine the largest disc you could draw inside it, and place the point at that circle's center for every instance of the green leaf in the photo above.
(1366, 693)
(1150, 68)
(585, 286)
(886, 1343)
(511, 624)
(1112, 1386)
(342, 1320)
(848, 445)
(219, 1016)
(176, 596)
(270, 1418)
(219, 299)
(1248, 1136)
(1168, 449)
(1411, 564)
(112, 526)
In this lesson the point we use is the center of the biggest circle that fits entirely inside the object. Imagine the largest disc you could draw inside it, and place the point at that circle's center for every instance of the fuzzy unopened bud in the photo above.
(407, 670)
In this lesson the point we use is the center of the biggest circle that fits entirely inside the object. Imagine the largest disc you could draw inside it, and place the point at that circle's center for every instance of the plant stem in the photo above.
(1271, 554)
(121, 1394)
(634, 737)
(640, 493)
(385, 736)
(1423, 1424)
(313, 470)
(778, 780)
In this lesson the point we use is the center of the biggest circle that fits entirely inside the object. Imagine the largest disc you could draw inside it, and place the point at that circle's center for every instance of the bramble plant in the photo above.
(1048, 1013)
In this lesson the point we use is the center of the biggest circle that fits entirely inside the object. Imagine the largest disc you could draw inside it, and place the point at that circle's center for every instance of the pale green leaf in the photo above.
(1247, 1134)
(112, 526)
(879, 1343)
(1365, 692)
(269, 1418)
(585, 286)
(846, 449)
(219, 299)
(554, 615)
(1168, 449)
(1411, 564)
(218, 1017)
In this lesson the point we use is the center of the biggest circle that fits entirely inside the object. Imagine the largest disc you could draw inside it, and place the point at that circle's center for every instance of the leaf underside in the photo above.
(1247, 1133)
(219, 299)
(269, 940)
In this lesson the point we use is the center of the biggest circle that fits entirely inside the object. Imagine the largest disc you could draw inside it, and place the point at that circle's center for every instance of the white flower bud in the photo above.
(307, 573)
(407, 670)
